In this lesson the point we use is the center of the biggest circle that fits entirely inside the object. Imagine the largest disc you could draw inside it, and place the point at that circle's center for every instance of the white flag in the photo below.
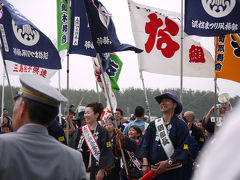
(157, 32)
(18, 69)
(108, 89)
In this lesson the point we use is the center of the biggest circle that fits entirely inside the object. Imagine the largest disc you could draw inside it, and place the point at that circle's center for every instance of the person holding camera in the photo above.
(221, 110)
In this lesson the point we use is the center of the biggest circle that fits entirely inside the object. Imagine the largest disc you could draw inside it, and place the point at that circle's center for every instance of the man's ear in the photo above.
(175, 105)
(23, 109)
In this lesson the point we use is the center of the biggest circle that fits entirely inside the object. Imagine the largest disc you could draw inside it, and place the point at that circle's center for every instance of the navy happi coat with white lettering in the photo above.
(102, 137)
(151, 147)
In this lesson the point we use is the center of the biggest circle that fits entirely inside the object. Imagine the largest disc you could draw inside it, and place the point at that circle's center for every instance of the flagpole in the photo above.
(5, 68)
(108, 99)
(98, 99)
(215, 100)
(10, 87)
(181, 65)
(68, 44)
(98, 94)
(3, 87)
(146, 98)
(60, 107)
(104, 82)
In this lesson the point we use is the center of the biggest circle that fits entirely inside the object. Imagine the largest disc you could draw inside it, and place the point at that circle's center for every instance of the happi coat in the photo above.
(102, 137)
(151, 148)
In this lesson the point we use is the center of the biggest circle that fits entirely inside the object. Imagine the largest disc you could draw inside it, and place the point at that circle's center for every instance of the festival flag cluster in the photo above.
(220, 19)
(156, 32)
(111, 66)
(89, 35)
(92, 32)
(105, 83)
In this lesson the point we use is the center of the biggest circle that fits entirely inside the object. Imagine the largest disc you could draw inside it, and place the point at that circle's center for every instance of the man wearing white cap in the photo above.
(163, 145)
(29, 152)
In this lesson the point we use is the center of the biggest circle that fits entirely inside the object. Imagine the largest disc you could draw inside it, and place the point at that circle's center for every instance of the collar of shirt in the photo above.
(33, 128)
(139, 120)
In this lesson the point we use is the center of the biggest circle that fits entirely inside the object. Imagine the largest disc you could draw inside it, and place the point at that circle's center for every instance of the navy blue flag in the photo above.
(102, 29)
(80, 35)
(211, 17)
(24, 43)
(105, 59)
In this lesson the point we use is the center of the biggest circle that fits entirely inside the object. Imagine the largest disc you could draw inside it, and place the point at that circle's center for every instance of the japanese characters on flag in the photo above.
(80, 34)
(17, 69)
(106, 89)
(113, 70)
(112, 65)
(227, 57)
(158, 33)
(102, 29)
(23, 43)
(62, 24)
(211, 17)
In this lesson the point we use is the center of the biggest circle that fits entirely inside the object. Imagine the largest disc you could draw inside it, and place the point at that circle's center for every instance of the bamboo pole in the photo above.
(181, 65)
(146, 98)
(98, 94)
(60, 106)
(108, 98)
(3, 88)
(215, 101)
(68, 97)
(6, 72)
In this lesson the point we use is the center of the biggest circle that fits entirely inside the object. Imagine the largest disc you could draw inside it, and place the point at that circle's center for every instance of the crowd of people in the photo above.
(81, 146)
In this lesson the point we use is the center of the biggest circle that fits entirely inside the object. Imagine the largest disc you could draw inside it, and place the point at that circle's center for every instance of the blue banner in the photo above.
(80, 35)
(102, 29)
(24, 43)
(212, 18)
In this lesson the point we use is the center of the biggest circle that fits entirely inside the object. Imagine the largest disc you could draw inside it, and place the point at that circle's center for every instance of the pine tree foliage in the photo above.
(197, 101)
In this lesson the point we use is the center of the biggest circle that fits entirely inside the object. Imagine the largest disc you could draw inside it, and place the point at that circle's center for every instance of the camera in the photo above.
(217, 121)
(218, 106)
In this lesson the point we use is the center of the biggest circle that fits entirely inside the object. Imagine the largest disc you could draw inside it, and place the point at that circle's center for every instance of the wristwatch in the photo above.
(170, 162)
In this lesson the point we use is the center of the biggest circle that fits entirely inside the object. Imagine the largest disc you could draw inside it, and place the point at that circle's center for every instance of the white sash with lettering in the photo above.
(91, 142)
(164, 138)
(134, 160)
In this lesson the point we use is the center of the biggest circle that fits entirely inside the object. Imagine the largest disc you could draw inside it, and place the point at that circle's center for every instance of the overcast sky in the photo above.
(43, 15)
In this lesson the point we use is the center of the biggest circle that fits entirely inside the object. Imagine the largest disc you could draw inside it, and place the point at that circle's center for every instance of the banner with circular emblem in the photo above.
(211, 17)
